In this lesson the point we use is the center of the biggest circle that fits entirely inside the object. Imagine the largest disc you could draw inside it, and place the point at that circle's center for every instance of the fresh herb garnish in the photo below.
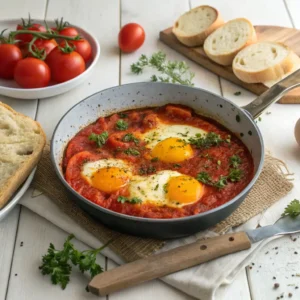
(172, 71)
(176, 166)
(129, 137)
(57, 263)
(147, 170)
(100, 139)
(235, 161)
(132, 151)
(165, 187)
(134, 200)
(209, 140)
(237, 93)
(154, 159)
(121, 125)
(122, 115)
(292, 210)
(234, 175)
(156, 187)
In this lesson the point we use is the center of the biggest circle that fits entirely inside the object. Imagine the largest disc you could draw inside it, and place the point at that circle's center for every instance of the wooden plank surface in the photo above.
(104, 20)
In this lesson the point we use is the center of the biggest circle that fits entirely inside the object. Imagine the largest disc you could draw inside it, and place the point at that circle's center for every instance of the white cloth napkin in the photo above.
(206, 282)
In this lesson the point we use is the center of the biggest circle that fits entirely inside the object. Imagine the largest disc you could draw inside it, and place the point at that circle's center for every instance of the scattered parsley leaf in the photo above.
(259, 119)
(132, 151)
(121, 125)
(129, 137)
(172, 71)
(235, 175)
(204, 177)
(154, 159)
(156, 187)
(221, 183)
(100, 139)
(147, 170)
(165, 187)
(292, 210)
(122, 115)
(235, 161)
(209, 140)
(176, 166)
(134, 200)
(237, 93)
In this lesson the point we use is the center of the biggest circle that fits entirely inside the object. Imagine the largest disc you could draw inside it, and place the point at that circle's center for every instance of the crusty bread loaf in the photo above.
(263, 61)
(225, 42)
(21, 143)
(193, 27)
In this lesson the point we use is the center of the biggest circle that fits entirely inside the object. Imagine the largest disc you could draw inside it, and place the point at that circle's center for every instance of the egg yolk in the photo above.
(172, 150)
(109, 179)
(184, 189)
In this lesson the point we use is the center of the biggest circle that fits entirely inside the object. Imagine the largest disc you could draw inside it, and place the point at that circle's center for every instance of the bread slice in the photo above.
(224, 43)
(296, 66)
(21, 143)
(193, 27)
(263, 61)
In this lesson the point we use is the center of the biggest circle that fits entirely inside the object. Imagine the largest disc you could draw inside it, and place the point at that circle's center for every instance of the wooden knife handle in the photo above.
(167, 262)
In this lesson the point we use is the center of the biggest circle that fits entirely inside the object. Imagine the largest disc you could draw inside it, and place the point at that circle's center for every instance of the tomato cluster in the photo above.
(33, 55)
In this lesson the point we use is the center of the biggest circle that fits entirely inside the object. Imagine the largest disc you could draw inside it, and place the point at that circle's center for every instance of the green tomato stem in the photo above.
(45, 35)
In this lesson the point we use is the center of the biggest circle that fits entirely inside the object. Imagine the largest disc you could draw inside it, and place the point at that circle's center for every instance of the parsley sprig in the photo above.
(172, 71)
(293, 209)
(132, 152)
(57, 263)
(134, 200)
(235, 161)
(100, 139)
(129, 137)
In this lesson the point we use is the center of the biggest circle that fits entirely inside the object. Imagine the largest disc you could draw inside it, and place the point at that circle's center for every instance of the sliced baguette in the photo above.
(21, 143)
(224, 43)
(296, 66)
(193, 27)
(263, 61)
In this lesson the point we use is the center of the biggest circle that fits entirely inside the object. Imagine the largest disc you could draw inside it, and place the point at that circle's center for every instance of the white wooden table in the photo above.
(19, 274)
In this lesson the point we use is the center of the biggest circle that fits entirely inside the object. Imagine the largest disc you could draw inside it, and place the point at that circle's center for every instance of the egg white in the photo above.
(164, 131)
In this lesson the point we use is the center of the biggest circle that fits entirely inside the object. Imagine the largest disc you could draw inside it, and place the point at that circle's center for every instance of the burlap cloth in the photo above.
(273, 184)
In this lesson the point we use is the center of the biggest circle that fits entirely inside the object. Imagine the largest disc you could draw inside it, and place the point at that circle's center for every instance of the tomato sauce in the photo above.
(214, 160)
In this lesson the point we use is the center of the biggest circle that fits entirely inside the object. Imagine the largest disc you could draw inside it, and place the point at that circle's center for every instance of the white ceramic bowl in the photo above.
(10, 87)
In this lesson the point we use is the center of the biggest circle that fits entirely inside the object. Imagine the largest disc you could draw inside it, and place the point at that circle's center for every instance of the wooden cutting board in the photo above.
(288, 36)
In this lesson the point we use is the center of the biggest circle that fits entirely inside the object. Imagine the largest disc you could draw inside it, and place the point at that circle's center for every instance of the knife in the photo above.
(186, 256)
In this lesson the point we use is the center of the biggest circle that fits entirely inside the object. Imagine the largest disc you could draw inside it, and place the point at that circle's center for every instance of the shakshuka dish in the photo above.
(163, 162)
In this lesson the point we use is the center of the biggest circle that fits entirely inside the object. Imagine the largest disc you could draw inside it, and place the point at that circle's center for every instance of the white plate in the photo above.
(10, 87)
(17, 196)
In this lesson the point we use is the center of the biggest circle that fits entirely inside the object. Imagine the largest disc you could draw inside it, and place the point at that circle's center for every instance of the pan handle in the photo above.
(262, 102)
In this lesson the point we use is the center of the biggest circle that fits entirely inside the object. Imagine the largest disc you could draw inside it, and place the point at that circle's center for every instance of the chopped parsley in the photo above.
(145, 170)
(165, 187)
(235, 161)
(100, 139)
(235, 175)
(121, 125)
(122, 115)
(237, 93)
(154, 159)
(221, 183)
(129, 137)
(209, 140)
(176, 166)
(134, 200)
(132, 151)
(156, 187)
(204, 177)
(292, 210)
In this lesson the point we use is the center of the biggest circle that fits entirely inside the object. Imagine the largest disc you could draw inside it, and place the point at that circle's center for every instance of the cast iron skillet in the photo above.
(135, 95)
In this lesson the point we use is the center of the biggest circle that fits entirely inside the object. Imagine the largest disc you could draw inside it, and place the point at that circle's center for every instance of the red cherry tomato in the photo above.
(9, 57)
(131, 37)
(82, 47)
(31, 72)
(48, 45)
(64, 66)
(26, 37)
(69, 31)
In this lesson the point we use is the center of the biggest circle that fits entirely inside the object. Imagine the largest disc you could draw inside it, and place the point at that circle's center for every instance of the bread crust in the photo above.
(227, 58)
(14, 182)
(272, 73)
(199, 38)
